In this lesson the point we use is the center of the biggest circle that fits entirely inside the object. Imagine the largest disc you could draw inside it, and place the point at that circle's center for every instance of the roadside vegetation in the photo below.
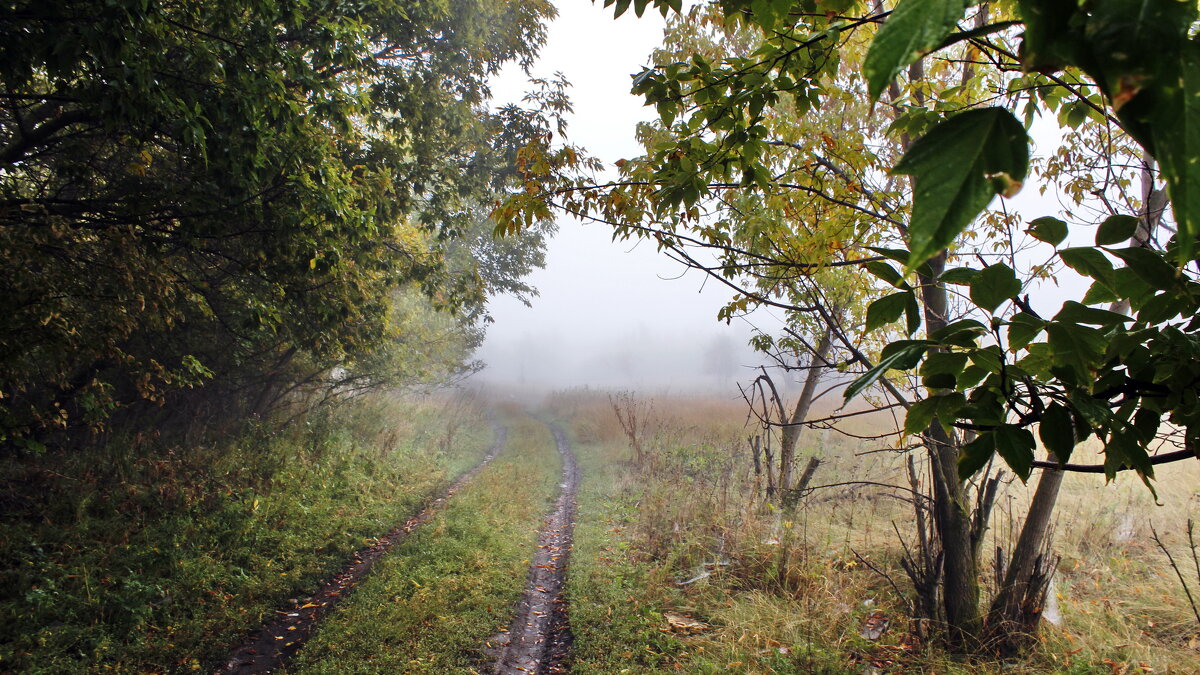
(681, 564)
(435, 601)
(130, 559)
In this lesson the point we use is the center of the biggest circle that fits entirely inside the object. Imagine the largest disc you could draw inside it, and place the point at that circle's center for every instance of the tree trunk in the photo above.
(951, 509)
(792, 428)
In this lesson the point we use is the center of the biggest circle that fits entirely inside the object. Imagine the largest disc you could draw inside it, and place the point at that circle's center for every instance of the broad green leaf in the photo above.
(886, 309)
(1057, 431)
(885, 272)
(958, 276)
(1016, 446)
(957, 168)
(1077, 347)
(1150, 266)
(975, 455)
(941, 407)
(900, 355)
(1048, 229)
(959, 331)
(1022, 328)
(993, 285)
(1090, 263)
(913, 29)
(1074, 312)
(1164, 116)
(951, 363)
(1116, 229)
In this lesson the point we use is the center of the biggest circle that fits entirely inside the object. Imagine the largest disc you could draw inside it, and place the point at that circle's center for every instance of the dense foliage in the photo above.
(837, 160)
(250, 197)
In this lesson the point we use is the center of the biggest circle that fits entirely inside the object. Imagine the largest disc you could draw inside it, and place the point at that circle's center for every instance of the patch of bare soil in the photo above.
(539, 639)
(268, 648)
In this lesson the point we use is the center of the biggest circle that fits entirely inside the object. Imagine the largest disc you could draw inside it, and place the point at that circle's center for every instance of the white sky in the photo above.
(619, 314)
(611, 314)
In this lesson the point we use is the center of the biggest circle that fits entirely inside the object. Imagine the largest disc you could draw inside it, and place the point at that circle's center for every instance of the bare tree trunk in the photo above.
(951, 509)
(1016, 609)
(792, 429)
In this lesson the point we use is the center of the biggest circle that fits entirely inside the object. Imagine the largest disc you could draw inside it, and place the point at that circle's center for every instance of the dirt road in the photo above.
(538, 640)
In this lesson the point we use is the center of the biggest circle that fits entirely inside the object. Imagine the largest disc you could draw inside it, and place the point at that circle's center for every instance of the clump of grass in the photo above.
(433, 601)
(139, 559)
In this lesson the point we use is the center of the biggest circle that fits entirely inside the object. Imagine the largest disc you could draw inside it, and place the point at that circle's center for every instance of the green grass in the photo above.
(122, 561)
(433, 601)
(794, 595)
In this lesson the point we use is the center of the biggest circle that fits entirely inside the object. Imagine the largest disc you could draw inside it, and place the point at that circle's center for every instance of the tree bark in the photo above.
(792, 430)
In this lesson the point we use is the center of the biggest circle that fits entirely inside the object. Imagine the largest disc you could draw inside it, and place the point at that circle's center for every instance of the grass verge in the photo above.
(433, 601)
(119, 560)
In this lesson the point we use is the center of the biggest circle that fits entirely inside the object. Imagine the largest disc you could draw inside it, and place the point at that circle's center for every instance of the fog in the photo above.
(610, 314)
(620, 314)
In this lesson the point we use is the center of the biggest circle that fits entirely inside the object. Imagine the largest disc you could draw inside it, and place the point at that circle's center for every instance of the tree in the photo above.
(213, 202)
(987, 365)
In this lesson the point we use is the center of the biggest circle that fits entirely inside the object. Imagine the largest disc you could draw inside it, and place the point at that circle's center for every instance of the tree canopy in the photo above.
(238, 195)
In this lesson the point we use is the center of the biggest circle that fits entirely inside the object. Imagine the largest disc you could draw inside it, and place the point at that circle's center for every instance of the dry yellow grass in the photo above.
(800, 582)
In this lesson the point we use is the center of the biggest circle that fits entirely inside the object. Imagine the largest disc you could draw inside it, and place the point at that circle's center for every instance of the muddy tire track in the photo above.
(539, 639)
(268, 648)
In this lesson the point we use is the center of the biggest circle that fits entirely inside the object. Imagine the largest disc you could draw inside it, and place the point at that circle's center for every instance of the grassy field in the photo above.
(432, 603)
(151, 560)
(791, 593)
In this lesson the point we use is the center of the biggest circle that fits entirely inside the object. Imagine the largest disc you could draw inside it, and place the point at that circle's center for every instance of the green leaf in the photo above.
(900, 355)
(975, 455)
(1057, 431)
(959, 276)
(1150, 266)
(1077, 347)
(885, 272)
(951, 363)
(957, 169)
(993, 285)
(912, 314)
(961, 332)
(1116, 229)
(1022, 328)
(1016, 446)
(1164, 117)
(1074, 312)
(942, 407)
(1048, 229)
(886, 309)
(914, 28)
(1090, 263)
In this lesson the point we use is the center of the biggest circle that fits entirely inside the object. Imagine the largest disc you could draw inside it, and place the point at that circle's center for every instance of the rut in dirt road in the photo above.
(539, 639)
(267, 649)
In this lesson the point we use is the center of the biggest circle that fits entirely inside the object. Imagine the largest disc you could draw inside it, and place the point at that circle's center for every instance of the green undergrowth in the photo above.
(124, 560)
(431, 604)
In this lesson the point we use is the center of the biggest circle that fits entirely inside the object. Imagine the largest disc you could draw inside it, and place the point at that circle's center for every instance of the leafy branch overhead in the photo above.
(768, 153)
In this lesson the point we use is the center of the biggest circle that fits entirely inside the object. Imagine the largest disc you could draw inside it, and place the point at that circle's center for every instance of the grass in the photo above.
(124, 560)
(796, 592)
(432, 603)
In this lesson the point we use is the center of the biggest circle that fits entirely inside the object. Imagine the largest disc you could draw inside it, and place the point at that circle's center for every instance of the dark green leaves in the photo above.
(913, 28)
(942, 407)
(993, 285)
(1057, 431)
(1116, 229)
(1048, 229)
(900, 355)
(1014, 444)
(957, 168)
(886, 309)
